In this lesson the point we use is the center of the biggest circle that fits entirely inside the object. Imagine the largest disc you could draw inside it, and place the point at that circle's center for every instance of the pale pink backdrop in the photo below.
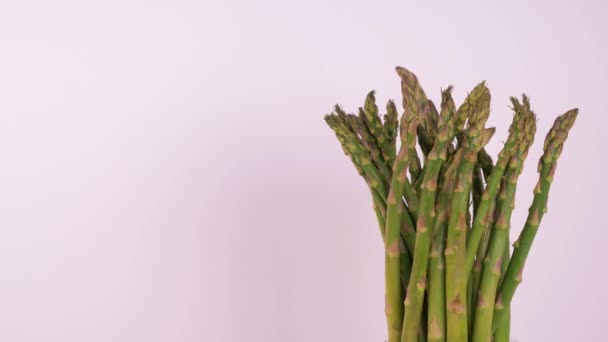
(165, 173)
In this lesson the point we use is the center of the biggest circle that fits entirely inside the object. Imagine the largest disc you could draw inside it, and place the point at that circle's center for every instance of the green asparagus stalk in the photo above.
(379, 203)
(448, 128)
(413, 100)
(362, 126)
(355, 151)
(394, 299)
(475, 138)
(448, 106)
(428, 132)
(448, 109)
(432, 117)
(481, 252)
(410, 194)
(359, 126)
(380, 211)
(503, 333)
(408, 233)
(470, 308)
(502, 330)
(427, 140)
(436, 320)
(554, 143)
(436, 292)
(492, 267)
(493, 183)
(405, 264)
(376, 128)
(482, 330)
(355, 148)
(506, 257)
(391, 126)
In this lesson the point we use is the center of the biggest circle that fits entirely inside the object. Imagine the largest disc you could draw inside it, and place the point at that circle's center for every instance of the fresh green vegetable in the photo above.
(444, 215)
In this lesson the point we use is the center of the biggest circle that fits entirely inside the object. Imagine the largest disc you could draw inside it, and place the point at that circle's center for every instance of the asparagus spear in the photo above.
(361, 126)
(355, 148)
(391, 125)
(358, 125)
(470, 308)
(503, 328)
(372, 120)
(428, 132)
(379, 203)
(448, 128)
(481, 252)
(380, 209)
(413, 100)
(554, 143)
(427, 139)
(448, 106)
(502, 334)
(431, 118)
(493, 182)
(436, 292)
(482, 330)
(475, 138)
(394, 306)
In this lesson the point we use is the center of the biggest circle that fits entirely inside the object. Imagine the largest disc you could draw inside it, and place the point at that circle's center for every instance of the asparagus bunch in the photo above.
(444, 207)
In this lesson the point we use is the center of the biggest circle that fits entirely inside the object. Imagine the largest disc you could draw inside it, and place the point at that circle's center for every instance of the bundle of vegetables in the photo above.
(444, 207)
